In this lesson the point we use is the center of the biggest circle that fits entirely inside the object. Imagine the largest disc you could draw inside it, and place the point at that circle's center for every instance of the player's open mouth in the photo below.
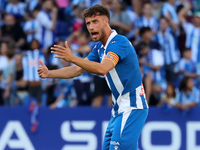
(94, 34)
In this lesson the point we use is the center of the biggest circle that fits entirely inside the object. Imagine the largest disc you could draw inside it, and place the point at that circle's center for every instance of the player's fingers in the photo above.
(61, 57)
(40, 61)
(40, 71)
(57, 53)
(57, 49)
(60, 47)
(66, 44)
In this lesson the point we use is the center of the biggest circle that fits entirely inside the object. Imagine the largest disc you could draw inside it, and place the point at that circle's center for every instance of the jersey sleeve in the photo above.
(118, 47)
(93, 56)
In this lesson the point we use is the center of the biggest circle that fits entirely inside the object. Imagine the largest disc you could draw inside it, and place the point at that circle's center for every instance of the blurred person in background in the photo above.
(3, 66)
(46, 18)
(192, 31)
(169, 45)
(78, 20)
(17, 8)
(82, 84)
(146, 35)
(153, 59)
(31, 4)
(22, 89)
(50, 88)
(13, 32)
(49, 57)
(169, 12)
(142, 50)
(188, 95)
(147, 19)
(30, 65)
(186, 67)
(168, 99)
(9, 74)
(119, 19)
(64, 94)
(30, 28)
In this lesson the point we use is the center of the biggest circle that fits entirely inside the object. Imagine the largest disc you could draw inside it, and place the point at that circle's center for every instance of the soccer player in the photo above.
(115, 58)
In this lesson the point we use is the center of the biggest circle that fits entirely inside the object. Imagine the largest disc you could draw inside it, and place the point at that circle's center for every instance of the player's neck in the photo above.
(107, 34)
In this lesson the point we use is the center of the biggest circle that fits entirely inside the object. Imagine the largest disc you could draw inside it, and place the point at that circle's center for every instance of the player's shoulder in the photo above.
(119, 39)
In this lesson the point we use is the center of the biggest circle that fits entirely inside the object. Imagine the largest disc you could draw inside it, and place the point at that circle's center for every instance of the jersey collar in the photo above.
(112, 35)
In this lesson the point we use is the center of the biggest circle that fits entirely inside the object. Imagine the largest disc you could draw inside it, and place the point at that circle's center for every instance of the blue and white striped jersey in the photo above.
(169, 9)
(29, 26)
(169, 47)
(45, 34)
(188, 97)
(155, 58)
(125, 79)
(188, 66)
(30, 64)
(17, 10)
(144, 22)
(193, 40)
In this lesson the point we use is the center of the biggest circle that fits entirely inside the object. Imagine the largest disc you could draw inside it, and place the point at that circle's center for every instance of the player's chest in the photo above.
(101, 53)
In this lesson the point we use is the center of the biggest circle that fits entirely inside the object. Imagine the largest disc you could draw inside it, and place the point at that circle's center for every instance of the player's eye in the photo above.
(95, 21)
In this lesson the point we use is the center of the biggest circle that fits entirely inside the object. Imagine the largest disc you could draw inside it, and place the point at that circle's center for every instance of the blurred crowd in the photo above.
(164, 33)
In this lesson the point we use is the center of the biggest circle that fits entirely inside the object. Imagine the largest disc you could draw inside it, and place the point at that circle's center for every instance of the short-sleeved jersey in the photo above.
(124, 79)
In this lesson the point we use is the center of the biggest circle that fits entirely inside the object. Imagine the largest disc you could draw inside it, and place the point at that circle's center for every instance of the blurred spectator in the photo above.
(82, 84)
(146, 36)
(168, 98)
(16, 8)
(188, 96)
(147, 19)
(169, 12)
(186, 67)
(169, 48)
(119, 19)
(137, 6)
(78, 17)
(30, 28)
(153, 59)
(46, 18)
(30, 65)
(192, 32)
(22, 89)
(12, 32)
(9, 74)
(31, 4)
(50, 88)
(64, 93)
(147, 80)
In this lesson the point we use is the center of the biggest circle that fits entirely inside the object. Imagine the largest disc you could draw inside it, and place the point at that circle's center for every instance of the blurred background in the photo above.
(166, 37)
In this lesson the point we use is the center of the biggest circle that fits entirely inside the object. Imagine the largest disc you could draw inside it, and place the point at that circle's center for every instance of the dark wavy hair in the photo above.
(183, 85)
(97, 9)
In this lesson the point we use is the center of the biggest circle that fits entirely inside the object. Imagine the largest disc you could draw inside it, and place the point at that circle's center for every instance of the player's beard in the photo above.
(102, 35)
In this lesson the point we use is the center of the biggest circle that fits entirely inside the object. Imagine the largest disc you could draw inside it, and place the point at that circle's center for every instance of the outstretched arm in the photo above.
(93, 67)
(64, 73)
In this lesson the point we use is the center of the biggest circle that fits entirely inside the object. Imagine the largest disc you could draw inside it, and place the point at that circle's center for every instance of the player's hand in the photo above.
(62, 52)
(43, 71)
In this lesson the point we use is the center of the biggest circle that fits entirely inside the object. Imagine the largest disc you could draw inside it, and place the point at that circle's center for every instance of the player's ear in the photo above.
(107, 20)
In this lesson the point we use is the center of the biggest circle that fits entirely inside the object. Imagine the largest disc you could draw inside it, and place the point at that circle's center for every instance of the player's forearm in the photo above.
(90, 66)
(66, 73)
